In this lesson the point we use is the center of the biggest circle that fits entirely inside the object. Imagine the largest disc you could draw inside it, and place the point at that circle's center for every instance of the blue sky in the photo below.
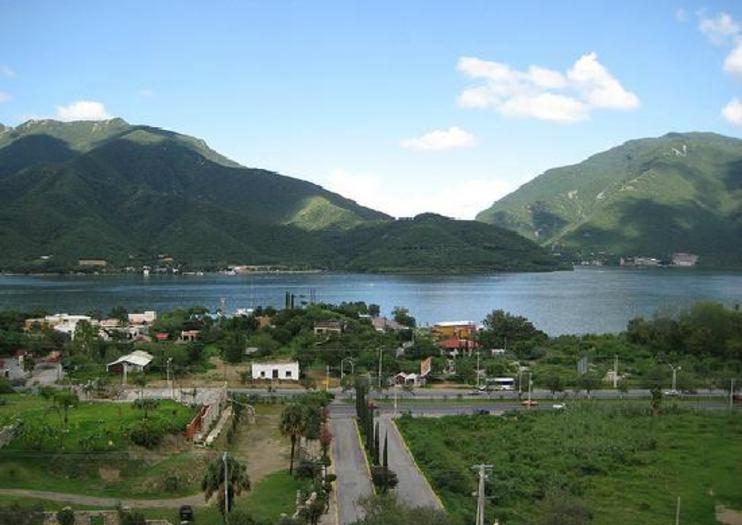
(404, 106)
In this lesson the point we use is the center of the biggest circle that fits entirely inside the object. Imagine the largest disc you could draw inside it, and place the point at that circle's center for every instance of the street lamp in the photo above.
(342, 366)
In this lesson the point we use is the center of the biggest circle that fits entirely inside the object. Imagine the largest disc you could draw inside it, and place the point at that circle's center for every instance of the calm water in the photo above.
(586, 300)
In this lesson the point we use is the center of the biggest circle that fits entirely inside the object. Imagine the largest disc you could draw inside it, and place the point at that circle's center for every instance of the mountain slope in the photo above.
(128, 194)
(681, 192)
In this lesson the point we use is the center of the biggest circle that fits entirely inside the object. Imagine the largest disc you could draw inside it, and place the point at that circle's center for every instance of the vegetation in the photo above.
(592, 463)
(640, 198)
(226, 477)
(386, 510)
(195, 209)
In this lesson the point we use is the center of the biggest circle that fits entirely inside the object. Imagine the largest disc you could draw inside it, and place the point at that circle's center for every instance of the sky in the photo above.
(404, 106)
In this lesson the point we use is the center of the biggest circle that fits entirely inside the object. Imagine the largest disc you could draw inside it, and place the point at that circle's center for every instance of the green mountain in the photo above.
(131, 195)
(681, 192)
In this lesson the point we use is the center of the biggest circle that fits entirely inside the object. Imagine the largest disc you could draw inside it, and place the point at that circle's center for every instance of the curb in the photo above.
(414, 462)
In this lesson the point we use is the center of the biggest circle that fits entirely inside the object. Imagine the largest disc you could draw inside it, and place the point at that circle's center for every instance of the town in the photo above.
(189, 383)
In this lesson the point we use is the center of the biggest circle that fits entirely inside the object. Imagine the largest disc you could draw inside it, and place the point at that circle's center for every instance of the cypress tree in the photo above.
(376, 444)
(385, 462)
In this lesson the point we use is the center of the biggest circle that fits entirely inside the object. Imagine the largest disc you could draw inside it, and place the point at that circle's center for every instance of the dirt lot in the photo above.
(261, 443)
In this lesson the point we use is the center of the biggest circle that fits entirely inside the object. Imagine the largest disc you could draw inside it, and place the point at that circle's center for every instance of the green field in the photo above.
(618, 462)
(93, 454)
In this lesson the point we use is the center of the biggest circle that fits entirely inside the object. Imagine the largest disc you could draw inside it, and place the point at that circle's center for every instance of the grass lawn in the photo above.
(617, 460)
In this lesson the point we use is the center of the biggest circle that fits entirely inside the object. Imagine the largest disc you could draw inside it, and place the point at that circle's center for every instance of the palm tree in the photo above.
(214, 480)
(293, 424)
(65, 399)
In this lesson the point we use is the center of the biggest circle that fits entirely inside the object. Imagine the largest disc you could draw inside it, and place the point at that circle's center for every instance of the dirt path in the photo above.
(197, 500)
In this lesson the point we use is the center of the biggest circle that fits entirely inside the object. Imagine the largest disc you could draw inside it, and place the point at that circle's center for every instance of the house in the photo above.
(64, 323)
(329, 327)
(460, 329)
(264, 321)
(285, 371)
(137, 361)
(455, 346)
(382, 324)
(188, 336)
(402, 378)
(684, 260)
(162, 336)
(147, 317)
(92, 263)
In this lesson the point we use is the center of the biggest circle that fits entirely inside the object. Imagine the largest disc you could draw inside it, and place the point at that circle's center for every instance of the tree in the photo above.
(588, 382)
(292, 425)
(656, 400)
(502, 329)
(325, 439)
(213, 481)
(233, 347)
(376, 456)
(374, 310)
(120, 313)
(555, 384)
(241, 517)
(64, 400)
(403, 317)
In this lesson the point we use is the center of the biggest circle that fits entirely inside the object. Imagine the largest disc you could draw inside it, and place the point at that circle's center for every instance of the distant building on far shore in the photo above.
(685, 260)
(92, 263)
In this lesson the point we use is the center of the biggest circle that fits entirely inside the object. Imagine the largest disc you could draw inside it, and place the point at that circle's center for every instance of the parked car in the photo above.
(558, 406)
(186, 514)
(481, 412)
(529, 403)
(671, 393)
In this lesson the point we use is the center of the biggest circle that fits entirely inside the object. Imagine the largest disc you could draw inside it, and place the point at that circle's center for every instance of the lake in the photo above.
(587, 300)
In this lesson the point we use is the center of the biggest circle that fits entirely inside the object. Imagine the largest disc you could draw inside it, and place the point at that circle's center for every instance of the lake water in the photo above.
(585, 300)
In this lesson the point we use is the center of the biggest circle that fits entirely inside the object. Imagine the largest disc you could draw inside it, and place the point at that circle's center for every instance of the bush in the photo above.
(66, 516)
(146, 434)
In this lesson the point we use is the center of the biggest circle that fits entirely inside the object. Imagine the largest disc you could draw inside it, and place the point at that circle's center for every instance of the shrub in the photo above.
(66, 516)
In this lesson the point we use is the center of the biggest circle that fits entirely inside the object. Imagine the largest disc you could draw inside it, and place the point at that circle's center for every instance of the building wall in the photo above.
(276, 371)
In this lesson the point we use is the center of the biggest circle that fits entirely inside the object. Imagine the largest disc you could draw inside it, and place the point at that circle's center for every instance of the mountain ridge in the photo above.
(679, 192)
(127, 193)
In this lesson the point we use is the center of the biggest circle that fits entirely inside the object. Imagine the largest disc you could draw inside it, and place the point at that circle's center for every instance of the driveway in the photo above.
(353, 481)
(413, 489)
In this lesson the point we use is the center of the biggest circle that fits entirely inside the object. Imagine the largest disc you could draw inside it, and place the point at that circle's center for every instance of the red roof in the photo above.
(454, 343)
(162, 336)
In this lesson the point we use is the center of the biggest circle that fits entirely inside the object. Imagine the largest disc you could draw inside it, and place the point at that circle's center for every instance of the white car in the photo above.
(558, 406)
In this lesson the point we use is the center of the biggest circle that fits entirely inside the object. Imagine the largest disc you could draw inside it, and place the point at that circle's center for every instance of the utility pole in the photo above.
(615, 371)
(477, 369)
(327, 377)
(380, 356)
(677, 512)
(520, 386)
(396, 388)
(226, 489)
(530, 384)
(675, 370)
(482, 471)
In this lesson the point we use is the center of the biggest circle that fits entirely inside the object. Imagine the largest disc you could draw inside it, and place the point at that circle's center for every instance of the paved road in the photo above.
(349, 461)
(94, 501)
(413, 489)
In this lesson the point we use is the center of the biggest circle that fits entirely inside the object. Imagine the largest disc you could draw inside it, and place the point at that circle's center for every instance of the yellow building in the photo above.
(460, 329)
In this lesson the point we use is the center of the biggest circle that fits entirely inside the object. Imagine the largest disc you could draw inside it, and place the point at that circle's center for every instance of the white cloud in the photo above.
(461, 200)
(720, 28)
(4, 97)
(7, 71)
(440, 140)
(733, 62)
(83, 110)
(544, 93)
(732, 112)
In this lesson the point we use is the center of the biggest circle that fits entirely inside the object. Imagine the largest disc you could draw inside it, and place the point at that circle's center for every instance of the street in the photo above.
(353, 482)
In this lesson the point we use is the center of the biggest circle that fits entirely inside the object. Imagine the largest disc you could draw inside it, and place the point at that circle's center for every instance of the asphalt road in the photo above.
(413, 489)
(353, 481)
